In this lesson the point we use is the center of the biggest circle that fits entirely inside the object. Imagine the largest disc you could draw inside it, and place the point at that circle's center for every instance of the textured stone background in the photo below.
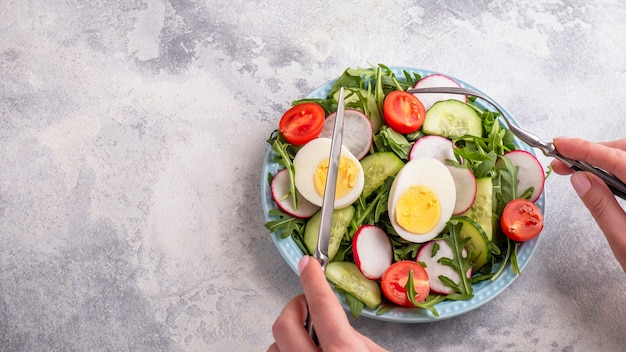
(131, 144)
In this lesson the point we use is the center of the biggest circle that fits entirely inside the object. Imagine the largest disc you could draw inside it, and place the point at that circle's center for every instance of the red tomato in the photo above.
(395, 278)
(521, 220)
(302, 123)
(403, 112)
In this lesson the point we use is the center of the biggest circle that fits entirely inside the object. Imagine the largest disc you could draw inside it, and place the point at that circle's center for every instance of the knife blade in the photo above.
(328, 200)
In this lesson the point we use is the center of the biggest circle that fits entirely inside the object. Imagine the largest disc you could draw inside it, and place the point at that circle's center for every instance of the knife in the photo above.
(328, 201)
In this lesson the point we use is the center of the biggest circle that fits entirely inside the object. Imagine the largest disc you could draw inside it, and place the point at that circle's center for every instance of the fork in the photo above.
(615, 185)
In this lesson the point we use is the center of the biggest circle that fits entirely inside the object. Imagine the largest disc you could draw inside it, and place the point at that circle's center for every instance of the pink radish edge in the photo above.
(437, 147)
(372, 251)
(466, 188)
(437, 80)
(530, 174)
(357, 131)
(436, 269)
(280, 188)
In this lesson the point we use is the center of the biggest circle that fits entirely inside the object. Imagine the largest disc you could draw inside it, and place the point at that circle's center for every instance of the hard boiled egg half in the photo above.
(311, 164)
(421, 199)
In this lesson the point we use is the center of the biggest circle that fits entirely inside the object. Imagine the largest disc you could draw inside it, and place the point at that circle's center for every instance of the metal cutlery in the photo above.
(617, 187)
(328, 201)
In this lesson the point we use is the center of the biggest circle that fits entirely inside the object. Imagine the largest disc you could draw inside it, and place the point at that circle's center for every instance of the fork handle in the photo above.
(615, 185)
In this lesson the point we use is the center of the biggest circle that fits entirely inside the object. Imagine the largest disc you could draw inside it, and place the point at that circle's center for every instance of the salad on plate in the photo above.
(438, 205)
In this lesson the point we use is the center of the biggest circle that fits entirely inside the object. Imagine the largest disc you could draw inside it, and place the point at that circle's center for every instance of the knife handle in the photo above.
(323, 259)
(310, 329)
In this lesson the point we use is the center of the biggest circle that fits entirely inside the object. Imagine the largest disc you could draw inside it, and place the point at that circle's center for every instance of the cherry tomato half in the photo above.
(521, 220)
(302, 123)
(395, 278)
(403, 112)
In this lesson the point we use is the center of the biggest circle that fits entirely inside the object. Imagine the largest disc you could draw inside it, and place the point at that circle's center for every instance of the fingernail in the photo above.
(303, 262)
(581, 183)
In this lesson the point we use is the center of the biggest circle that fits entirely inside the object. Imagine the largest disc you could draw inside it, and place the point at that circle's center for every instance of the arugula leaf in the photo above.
(356, 306)
(410, 79)
(481, 153)
(285, 158)
(369, 211)
(344, 253)
(285, 225)
(403, 249)
(428, 303)
(511, 255)
(385, 308)
(329, 105)
(505, 184)
(389, 140)
(459, 263)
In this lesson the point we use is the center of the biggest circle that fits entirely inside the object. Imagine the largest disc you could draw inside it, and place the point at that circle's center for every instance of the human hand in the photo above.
(331, 324)
(595, 194)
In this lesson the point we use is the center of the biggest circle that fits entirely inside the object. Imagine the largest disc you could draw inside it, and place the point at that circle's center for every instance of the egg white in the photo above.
(306, 162)
(433, 174)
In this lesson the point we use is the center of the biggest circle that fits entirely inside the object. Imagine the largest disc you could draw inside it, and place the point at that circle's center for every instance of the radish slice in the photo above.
(357, 131)
(435, 269)
(372, 251)
(435, 147)
(280, 188)
(437, 80)
(466, 188)
(530, 172)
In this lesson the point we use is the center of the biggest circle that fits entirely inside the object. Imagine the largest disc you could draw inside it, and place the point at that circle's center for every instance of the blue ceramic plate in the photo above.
(483, 292)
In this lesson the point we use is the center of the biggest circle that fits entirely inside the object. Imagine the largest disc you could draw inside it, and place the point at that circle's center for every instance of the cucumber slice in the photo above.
(452, 119)
(478, 242)
(377, 167)
(481, 211)
(338, 227)
(346, 276)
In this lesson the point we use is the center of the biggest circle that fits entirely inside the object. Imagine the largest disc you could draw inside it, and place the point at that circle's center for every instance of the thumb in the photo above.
(596, 196)
(605, 209)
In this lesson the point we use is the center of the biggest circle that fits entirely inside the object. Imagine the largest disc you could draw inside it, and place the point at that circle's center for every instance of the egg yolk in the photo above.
(347, 176)
(418, 209)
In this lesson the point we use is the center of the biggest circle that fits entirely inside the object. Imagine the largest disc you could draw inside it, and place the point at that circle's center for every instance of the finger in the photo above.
(560, 168)
(370, 345)
(288, 329)
(273, 348)
(327, 314)
(619, 144)
(610, 159)
(605, 210)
